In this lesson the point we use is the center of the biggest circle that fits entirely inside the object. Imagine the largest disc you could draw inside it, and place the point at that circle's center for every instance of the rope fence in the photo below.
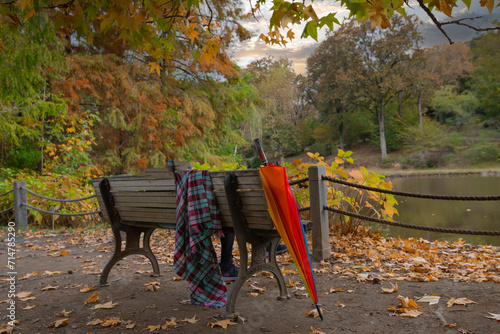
(21, 205)
(412, 226)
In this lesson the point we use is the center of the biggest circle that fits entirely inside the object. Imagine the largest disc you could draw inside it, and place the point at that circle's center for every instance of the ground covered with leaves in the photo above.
(370, 285)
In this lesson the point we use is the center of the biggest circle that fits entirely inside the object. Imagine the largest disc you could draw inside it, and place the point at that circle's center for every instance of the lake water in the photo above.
(466, 215)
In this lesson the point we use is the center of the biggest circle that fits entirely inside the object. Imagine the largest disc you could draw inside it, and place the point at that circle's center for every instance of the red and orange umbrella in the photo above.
(283, 210)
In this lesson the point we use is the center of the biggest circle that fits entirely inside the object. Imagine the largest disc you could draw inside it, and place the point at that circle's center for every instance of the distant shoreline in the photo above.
(443, 173)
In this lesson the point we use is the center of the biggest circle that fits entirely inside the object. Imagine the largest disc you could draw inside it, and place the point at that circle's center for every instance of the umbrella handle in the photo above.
(260, 150)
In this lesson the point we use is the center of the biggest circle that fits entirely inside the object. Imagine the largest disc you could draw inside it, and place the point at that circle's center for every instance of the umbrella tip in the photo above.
(319, 312)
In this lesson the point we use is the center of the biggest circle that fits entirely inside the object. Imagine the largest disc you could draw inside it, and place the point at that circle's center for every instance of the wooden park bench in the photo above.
(137, 205)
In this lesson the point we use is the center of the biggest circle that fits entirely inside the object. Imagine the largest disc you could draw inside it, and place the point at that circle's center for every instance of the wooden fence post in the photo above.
(20, 201)
(319, 216)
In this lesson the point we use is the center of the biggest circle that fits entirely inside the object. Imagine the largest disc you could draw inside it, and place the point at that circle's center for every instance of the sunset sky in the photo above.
(300, 49)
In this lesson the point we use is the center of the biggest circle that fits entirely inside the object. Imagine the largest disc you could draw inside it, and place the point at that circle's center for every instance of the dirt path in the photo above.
(352, 298)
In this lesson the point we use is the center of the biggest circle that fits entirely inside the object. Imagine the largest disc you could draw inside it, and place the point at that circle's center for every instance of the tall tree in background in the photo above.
(486, 77)
(275, 82)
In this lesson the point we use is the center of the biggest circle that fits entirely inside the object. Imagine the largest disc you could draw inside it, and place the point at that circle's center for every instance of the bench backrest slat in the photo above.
(150, 198)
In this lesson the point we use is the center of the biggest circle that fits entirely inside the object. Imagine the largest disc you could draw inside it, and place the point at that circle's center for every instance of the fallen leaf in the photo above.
(176, 278)
(222, 323)
(107, 305)
(314, 313)
(28, 307)
(49, 287)
(192, 320)
(332, 290)
(94, 322)
(111, 322)
(494, 316)
(316, 331)
(29, 275)
(390, 290)
(255, 288)
(412, 313)
(51, 273)
(24, 294)
(63, 252)
(93, 298)
(459, 301)
(86, 288)
(450, 325)
(429, 299)
(64, 313)
(168, 323)
(59, 323)
(152, 286)
(129, 325)
(152, 328)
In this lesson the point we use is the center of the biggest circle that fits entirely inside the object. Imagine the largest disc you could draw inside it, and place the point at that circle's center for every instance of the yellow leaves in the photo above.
(64, 313)
(59, 323)
(51, 273)
(28, 307)
(459, 301)
(192, 320)
(316, 331)
(332, 290)
(108, 305)
(153, 286)
(222, 323)
(407, 308)
(393, 289)
(378, 15)
(429, 299)
(313, 313)
(86, 288)
(490, 4)
(23, 295)
(115, 321)
(93, 298)
(49, 287)
(446, 6)
(155, 67)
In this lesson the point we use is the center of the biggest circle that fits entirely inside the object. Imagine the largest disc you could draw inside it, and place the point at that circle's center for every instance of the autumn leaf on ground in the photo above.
(111, 322)
(93, 298)
(6, 330)
(94, 322)
(176, 278)
(429, 299)
(168, 323)
(407, 308)
(28, 307)
(459, 301)
(390, 290)
(24, 294)
(59, 323)
(29, 275)
(494, 316)
(153, 286)
(86, 288)
(49, 287)
(332, 290)
(129, 325)
(314, 313)
(256, 288)
(316, 331)
(222, 323)
(64, 313)
(63, 252)
(107, 305)
(50, 273)
(152, 328)
(192, 320)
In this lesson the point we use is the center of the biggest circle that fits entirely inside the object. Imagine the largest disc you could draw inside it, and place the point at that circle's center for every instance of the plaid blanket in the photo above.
(198, 219)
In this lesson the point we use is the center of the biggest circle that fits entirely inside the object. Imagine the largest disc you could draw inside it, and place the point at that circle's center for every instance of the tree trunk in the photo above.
(420, 93)
(341, 134)
(381, 126)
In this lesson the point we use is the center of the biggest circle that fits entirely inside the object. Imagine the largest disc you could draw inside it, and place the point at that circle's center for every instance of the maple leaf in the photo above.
(413, 313)
(49, 287)
(152, 286)
(24, 294)
(64, 313)
(390, 290)
(494, 316)
(111, 322)
(332, 290)
(459, 301)
(314, 313)
(192, 320)
(94, 322)
(155, 67)
(429, 299)
(316, 331)
(129, 325)
(92, 298)
(222, 323)
(152, 328)
(59, 323)
(107, 305)
(168, 323)
(86, 288)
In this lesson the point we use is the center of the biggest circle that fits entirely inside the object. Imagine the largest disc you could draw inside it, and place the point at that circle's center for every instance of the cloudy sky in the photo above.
(300, 49)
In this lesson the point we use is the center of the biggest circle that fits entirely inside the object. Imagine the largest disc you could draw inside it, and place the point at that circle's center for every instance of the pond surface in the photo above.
(466, 215)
